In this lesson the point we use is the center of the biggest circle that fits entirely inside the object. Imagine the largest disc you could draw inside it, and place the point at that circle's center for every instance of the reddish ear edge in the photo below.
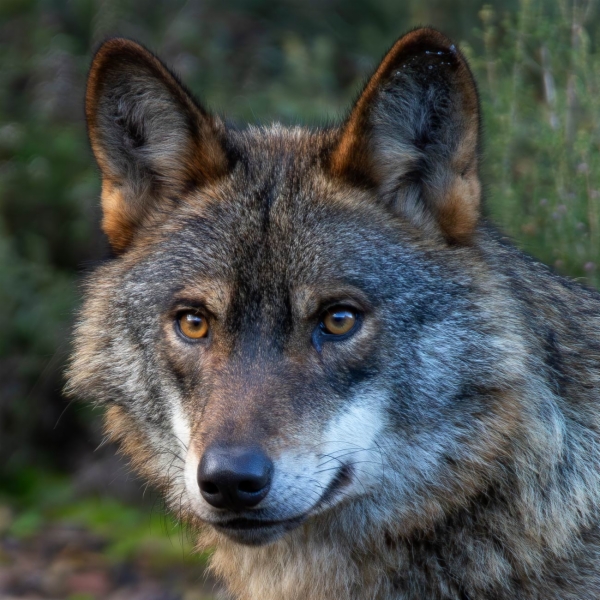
(210, 165)
(457, 213)
(202, 155)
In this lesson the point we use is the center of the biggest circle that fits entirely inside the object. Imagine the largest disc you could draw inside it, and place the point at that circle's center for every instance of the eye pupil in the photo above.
(193, 321)
(338, 321)
(193, 325)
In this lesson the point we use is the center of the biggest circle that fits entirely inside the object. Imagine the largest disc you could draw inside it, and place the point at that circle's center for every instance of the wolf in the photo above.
(337, 371)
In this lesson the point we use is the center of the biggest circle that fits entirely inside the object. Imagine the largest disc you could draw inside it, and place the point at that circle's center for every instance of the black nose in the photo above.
(234, 477)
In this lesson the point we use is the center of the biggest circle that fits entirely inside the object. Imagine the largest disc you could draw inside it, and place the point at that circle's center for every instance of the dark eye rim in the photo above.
(334, 337)
(177, 325)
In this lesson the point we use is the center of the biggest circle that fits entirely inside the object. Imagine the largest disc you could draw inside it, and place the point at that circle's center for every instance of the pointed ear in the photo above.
(414, 134)
(149, 137)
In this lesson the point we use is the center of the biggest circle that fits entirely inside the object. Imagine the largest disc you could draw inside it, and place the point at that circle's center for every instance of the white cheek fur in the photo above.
(180, 425)
(351, 439)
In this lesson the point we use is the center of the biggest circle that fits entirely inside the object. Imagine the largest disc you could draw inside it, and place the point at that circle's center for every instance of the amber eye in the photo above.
(193, 325)
(339, 320)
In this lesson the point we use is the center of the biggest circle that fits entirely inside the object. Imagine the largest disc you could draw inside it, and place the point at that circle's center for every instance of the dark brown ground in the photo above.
(68, 562)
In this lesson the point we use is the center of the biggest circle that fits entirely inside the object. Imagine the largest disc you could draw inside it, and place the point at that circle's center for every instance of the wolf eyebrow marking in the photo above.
(212, 294)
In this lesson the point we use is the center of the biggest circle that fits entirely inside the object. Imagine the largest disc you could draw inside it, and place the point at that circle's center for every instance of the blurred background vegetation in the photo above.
(538, 66)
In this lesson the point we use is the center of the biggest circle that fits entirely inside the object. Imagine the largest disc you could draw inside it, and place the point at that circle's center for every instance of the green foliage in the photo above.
(39, 499)
(540, 83)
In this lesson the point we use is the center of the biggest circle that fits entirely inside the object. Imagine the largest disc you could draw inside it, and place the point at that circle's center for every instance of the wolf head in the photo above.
(293, 325)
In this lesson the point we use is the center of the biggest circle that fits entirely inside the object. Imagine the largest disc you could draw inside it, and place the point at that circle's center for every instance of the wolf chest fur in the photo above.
(333, 367)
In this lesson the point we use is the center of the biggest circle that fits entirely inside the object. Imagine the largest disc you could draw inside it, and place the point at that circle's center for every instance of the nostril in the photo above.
(208, 487)
(251, 486)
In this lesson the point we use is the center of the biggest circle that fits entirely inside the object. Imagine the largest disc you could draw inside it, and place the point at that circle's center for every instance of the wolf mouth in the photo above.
(245, 524)
(342, 479)
(240, 527)
(257, 532)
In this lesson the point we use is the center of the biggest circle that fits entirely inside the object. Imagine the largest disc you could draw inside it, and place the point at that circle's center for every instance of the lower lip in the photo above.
(256, 524)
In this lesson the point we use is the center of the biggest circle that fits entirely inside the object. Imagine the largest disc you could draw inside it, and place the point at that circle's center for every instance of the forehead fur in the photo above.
(279, 213)
(279, 181)
(277, 146)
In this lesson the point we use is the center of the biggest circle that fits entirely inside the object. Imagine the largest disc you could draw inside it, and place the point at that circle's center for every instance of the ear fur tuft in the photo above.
(414, 135)
(149, 137)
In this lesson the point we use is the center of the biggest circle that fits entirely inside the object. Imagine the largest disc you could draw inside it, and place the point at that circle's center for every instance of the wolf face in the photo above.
(334, 364)
(304, 332)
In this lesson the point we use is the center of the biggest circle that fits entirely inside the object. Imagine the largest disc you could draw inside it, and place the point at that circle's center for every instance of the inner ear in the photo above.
(414, 135)
(150, 138)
